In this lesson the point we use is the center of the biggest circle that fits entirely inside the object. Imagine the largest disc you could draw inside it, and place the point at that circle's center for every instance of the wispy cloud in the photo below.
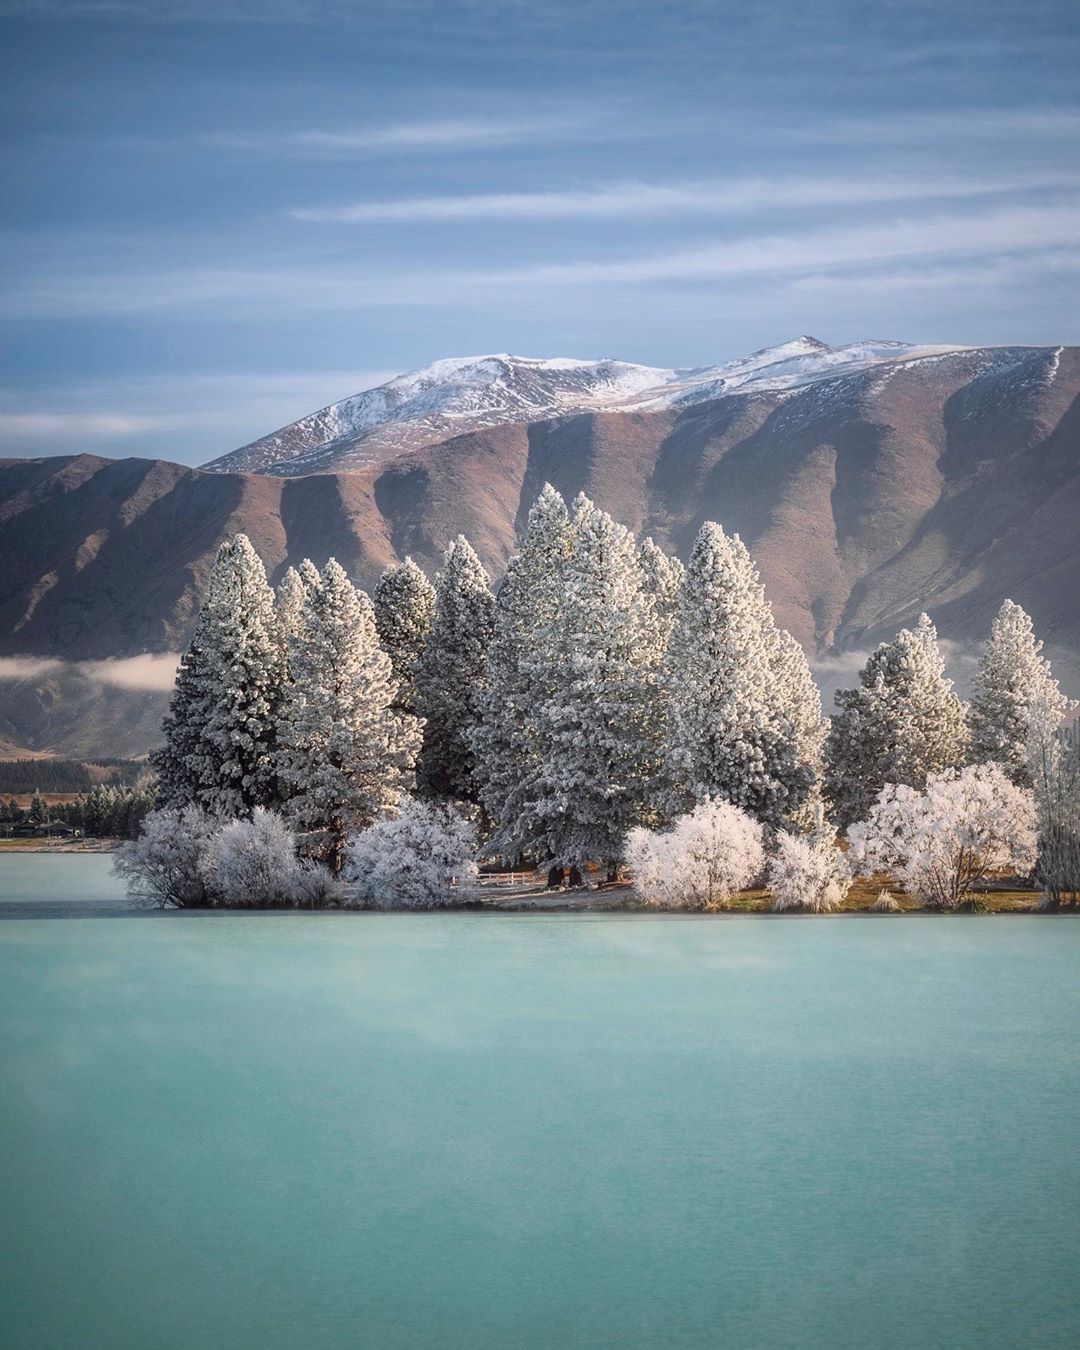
(449, 134)
(34, 426)
(943, 126)
(703, 197)
(150, 671)
(331, 287)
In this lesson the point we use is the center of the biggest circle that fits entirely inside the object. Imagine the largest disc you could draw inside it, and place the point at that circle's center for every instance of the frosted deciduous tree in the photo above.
(424, 858)
(1012, 680)
(740, 714)
(700, 862)
(219, 734)
(592, 779)
(902, 723)
(254, 863)
(521, 665)
(164, 866)
(939, 843)
(404, 602)
(345, 753)
(449, 675)
(808, 871)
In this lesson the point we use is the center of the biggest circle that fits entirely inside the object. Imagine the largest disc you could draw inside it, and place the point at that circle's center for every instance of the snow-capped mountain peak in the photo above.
(461, 394)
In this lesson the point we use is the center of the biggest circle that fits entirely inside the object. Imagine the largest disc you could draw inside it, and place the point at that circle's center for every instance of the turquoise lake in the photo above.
(451, 1132)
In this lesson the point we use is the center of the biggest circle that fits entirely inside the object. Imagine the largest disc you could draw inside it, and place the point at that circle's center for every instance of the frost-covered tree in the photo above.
(219, 734)
(739, 712)
(404, 602)
(1012, 679)
(800, 701)
(449, 675)
(254, 863)
(661, 577)
(423, 858)
(1053, 758)
(293, 592)
(592, 779)
(808, 871)
(700, 861)
(345, 754)
(164, 866)
(940, 843)
(521, 666)
(900, 725)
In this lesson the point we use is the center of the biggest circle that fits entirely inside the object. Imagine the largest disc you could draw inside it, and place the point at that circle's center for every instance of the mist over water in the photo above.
(534, 1131)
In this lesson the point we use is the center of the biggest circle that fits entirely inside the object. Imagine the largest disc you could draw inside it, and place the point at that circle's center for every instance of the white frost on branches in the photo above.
(1053, 758)
(901, 725)
(1013, 685)
(254, 863)
(404, 603)
(345, 754)
(700, 862)
(743, 724)
(413, 860)
(187, 858)
(448, 676)
(808, 872)
(219, 734)
(966, 827)
(520, 669)
(164, 866)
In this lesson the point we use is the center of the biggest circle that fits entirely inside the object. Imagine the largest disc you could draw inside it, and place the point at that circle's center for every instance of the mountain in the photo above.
(870, 482)
(459, 395)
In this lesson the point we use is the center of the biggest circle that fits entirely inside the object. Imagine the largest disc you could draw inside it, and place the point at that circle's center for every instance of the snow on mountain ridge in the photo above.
(458, 394)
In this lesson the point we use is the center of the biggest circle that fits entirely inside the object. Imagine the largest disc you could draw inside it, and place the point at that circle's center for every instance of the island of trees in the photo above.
(604, 707)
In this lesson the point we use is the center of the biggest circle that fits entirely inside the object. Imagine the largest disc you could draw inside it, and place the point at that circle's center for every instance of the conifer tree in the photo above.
(661, 577)
(404, 612)
(900, 725)
(517, 673)
(345, 754)
(741, 714)
(591, 781)
(1012, 681)
(219, 735)
(449, 674)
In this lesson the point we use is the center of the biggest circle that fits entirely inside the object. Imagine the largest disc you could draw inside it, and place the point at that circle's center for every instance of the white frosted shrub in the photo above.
(254, 863)
(886, 903)
(808, 872)
(700, 862)
(411, 861)
(165, 865)
(938, 844)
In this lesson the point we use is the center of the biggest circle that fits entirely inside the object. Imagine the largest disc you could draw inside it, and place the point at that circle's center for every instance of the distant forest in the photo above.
(66, 775)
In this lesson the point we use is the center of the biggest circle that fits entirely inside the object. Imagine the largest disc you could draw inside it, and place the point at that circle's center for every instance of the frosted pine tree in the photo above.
(661, 577)
(450, 673)
(739, 713)
(902, 724)
(345, 754)
(220, 731)
(1013, 680)
(591, 783)
(292, 593)
(173, 761)
(404, 612)
(518, 671)
(800, 701)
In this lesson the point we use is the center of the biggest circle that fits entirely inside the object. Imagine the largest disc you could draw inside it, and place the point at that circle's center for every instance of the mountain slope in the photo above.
(466, 394)
(944, 481)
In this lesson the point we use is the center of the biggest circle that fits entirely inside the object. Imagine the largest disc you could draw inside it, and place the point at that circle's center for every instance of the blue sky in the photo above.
(219, 216)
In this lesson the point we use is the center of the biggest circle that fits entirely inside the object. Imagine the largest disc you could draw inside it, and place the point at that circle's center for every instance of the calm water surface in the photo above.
(516, 1132)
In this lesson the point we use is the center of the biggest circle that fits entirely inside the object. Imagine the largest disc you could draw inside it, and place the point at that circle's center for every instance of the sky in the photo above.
(219, 215)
